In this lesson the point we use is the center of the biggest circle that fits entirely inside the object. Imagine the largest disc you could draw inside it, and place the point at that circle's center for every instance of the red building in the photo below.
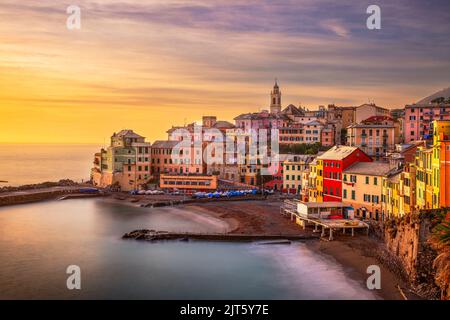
(332, 163)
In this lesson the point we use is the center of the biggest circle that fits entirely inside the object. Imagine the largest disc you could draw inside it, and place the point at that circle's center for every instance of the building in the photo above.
(311, 193)
(376, 135)
(362, 188)
(292, 175)
(424, 182)
(334, 162)
(408, 188)
(368, 110)
(441, 164)
(261, 120)
(345, 114)
(189, 182)
(392, 201)
(124, 164)
(328, 136)
(168, 157)
(419, 117)
(275, 99)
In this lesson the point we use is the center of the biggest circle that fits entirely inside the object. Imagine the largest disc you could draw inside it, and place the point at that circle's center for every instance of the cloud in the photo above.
(220, 56)
(337, 27)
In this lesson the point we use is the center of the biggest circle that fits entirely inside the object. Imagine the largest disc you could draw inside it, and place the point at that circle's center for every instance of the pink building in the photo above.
(376, 136)
(261, 120)
(418, 119)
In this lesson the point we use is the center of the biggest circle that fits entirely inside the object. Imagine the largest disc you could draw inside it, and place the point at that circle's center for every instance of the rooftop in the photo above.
(127, 133)
(369, 168)
(164, 144)
(324, 204)
(337, 153)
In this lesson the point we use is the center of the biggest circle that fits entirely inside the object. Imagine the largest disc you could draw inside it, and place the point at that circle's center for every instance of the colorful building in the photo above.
(424, 174)
(334, 162)
(292, 176)
(368, 110)
(441, 164)
(376, 136)
(392, 202)
(362, 188)
(312, 182)
(171, 158)
(125, 163)
(190, 182)
(419, 118)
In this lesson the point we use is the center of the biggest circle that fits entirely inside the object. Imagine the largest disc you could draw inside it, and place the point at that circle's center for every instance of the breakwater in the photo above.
(152, 235)
(35, 195)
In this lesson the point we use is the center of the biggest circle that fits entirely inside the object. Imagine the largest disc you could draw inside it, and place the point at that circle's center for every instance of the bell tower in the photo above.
(275, 99)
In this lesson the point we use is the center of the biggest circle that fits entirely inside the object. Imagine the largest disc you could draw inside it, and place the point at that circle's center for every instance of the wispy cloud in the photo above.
(219, 56)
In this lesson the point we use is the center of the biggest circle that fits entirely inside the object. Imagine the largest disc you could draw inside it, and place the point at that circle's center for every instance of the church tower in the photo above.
(275, 99)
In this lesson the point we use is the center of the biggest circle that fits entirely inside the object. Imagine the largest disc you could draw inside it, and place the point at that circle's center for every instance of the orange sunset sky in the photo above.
(147, 65)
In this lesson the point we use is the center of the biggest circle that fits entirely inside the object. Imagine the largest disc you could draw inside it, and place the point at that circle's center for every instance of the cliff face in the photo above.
(409, 240)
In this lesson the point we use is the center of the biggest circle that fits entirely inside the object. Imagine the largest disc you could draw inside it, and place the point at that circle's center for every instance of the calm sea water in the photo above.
(38, 242)
(34, 163)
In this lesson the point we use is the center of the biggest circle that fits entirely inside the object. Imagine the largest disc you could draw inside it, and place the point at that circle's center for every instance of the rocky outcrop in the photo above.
(408, 240)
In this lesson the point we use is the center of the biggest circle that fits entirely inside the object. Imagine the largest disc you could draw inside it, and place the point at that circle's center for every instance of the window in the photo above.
(345, 193)
(367, 180)
(353, 195)
(375, 181)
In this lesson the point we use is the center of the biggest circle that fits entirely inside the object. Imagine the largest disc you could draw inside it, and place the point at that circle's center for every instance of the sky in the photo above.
(148, 65)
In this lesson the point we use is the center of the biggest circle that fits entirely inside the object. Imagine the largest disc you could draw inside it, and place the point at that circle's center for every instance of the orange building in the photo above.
(376, 136)
(188, 182)
(441, 163)
(166, 159)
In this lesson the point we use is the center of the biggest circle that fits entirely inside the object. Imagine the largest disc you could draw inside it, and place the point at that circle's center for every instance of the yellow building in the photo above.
(312, 180)
(424, 174)
(392, 202)
(319, 181)
(292, 175)
(362, 188)
(408, 188)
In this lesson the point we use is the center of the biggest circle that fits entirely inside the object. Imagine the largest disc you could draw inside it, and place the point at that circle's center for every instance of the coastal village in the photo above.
(339, 168)
(382, 163)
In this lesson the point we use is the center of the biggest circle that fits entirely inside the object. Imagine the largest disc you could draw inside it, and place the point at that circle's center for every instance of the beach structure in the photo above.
(326, 216)
(188, 182)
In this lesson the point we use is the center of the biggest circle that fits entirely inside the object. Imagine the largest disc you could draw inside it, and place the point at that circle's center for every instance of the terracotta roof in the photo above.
(337, 153)
(369, 168)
